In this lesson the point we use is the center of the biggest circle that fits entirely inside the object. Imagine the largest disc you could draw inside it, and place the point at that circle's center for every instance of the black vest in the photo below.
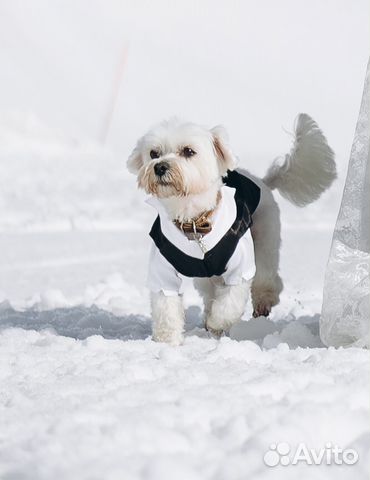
(247, 197)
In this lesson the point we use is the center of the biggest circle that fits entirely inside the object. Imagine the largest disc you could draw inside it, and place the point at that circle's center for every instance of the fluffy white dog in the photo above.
(206, 210)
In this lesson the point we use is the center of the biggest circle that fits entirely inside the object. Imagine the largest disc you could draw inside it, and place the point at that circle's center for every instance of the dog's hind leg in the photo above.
(267, 284)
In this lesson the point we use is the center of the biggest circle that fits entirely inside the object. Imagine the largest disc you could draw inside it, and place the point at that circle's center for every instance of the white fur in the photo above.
(168, 318)
(186, 208)
(267, 284)
(224, 305)
(307, 171)
(201, 175)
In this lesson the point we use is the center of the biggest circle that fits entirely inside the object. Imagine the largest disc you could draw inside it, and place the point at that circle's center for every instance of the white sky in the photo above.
(249, 64)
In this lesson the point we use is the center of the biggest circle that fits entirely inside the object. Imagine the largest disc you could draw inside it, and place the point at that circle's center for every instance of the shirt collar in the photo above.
(223, 219)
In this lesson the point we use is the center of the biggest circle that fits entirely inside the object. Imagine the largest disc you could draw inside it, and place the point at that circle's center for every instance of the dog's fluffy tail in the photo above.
(308, 170)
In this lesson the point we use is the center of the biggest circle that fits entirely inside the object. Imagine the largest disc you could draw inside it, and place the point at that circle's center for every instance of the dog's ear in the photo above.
(225, 156)
(135, 160)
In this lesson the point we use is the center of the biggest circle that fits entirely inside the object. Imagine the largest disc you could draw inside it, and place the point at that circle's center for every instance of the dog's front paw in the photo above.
(227, 308)
(172, 338)
(168, 318)
(217, 325)
(217, 333)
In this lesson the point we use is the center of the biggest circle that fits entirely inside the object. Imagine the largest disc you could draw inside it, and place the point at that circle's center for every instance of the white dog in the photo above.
(206, 209)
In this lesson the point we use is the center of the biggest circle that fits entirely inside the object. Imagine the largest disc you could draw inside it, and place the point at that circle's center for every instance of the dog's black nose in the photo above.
(161, 168)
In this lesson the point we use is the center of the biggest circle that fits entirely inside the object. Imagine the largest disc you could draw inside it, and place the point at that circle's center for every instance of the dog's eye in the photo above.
(187, 152)
(154, 154)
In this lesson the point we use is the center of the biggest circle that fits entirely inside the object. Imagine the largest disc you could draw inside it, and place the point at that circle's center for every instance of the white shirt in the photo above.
(162, 275)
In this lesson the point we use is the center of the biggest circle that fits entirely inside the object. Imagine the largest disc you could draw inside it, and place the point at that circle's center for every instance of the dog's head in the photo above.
(179, 159)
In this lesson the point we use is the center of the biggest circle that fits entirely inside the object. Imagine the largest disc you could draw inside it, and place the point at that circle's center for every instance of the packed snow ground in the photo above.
(108, 409)
(86, 394)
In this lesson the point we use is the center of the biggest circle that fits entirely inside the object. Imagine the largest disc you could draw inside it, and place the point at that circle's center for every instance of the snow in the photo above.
(99, 408)
(85, 394)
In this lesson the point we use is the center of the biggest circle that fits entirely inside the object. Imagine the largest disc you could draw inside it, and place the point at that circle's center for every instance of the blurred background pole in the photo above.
(116, 87)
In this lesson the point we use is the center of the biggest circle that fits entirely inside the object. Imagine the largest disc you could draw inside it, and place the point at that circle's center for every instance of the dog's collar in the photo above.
(200, 225)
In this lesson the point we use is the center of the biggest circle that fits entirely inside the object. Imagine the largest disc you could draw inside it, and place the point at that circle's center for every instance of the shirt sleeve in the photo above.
(241, 265)
(162, 276)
